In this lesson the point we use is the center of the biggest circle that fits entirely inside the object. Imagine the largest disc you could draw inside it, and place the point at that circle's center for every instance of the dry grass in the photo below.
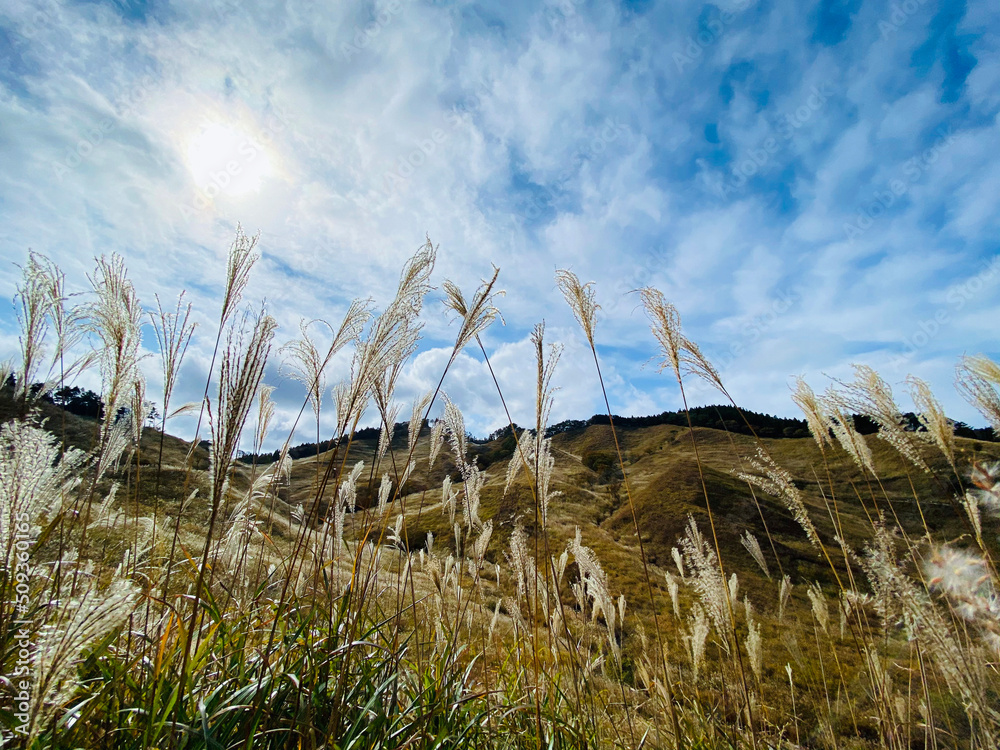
(599, 588)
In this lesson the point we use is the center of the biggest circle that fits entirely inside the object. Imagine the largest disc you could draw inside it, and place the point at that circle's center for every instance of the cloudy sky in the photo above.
(810, 183)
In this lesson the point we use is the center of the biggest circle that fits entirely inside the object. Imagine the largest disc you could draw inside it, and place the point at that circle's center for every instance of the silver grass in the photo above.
(776, 481)
(842, 423)
(34, 479)
(523, 454)
(472, 478)
(816, 419)
(534, 450)
(699, 630)
(116, 318)
(681, 355)
(544, 392)
(872, 397)
(449, 499)
(750, 543)
(107, 514)
(560, 566)
(389, 415)
(173, 335)
(407, 472)
(978, 379)
(493, 621)
(784, 593)
(138, 410)
(243, 526)
(595, 587)
(546, 464)
(851, 601)
(473, 481)
(522, 564)
(971, 504)
(33, 307)
(455, 430)
(674, 590)
(302, 361)
(900, 601)
(678, 561)
(393, 336)
(754, 644)
(346, 502)
(420, 405)
(240, 376)
(241, 259)
(306, 362)
(705, 578)
(580, 298)
(482, 543)
(819, 606)
(437, 440)
(968, 582)
(544, 461)
(265, 414)
(476, 314)
(985, 476)
(384, 490)
(939, 428)
(76, 624)
(66, 321)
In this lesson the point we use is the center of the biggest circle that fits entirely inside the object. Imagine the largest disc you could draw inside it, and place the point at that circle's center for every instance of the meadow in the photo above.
(661, 586)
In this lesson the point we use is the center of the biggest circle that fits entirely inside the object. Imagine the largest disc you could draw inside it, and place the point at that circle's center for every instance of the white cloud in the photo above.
(529, 137)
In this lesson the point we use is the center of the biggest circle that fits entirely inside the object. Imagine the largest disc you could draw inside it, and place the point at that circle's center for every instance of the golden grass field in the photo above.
(661, 586)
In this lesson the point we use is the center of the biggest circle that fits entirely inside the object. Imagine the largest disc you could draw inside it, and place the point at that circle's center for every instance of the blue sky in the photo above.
(811, 184)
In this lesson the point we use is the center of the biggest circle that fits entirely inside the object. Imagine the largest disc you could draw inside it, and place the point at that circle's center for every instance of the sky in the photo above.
(812, 184)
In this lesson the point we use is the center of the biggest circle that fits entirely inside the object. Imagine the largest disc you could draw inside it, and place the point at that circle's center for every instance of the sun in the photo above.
(225, 159)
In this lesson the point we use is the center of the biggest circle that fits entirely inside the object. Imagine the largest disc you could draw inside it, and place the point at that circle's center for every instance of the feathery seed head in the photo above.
(778, 482)
(939, 428)
(580, 298)
(680, 353)
(749, 541)
(816, 419)
(871, 396)
(241, 260)
(978, 379)
(173, 335)
(34, 480)
(969, 585)
(478, 314)
(841, 421)
(665, 322)
(420, 405)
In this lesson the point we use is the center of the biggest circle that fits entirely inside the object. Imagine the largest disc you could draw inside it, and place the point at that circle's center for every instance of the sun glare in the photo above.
(226, 160)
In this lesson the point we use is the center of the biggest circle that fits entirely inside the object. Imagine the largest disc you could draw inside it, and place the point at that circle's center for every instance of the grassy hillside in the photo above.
(647, 585)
